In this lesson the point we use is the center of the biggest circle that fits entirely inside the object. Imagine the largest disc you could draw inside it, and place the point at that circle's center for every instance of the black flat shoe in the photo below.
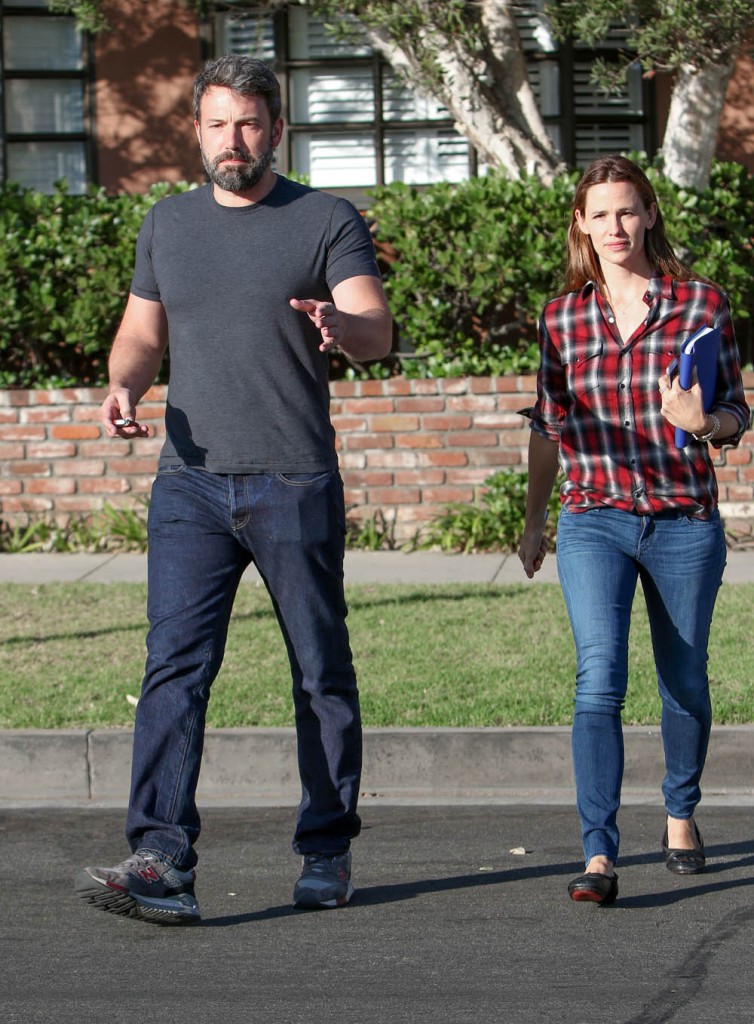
(594, 888)
(684, 862)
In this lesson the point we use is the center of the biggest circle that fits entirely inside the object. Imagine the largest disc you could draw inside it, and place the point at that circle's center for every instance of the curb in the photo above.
(257, 767)
(250, 767)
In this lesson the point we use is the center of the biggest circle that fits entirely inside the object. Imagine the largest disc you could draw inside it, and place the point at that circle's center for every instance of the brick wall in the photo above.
(406, 448)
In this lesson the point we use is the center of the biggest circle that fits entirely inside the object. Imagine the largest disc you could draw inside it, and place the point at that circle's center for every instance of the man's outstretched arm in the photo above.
(358, 320)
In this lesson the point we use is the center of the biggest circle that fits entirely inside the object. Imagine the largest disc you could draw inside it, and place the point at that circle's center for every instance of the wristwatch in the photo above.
(712, 432)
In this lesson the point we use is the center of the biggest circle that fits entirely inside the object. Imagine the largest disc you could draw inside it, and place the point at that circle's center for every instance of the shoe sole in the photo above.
(584, 896)
(310, 901)
(121, 903)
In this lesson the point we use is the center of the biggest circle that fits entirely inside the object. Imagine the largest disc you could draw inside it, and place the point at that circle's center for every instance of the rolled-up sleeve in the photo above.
(729, 388)
(547, 415)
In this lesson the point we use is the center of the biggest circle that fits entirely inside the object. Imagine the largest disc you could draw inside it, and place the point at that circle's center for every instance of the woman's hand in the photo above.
(683, 408)
(532, 549)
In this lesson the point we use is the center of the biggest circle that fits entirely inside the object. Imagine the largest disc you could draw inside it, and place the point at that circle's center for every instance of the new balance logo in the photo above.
(149, 875)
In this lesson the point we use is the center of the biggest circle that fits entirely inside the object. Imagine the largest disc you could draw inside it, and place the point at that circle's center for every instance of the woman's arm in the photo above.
(543, 468)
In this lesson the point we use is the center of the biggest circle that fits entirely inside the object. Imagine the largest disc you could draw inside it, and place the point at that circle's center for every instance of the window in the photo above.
(352, 123)
(44, 97)
(582, 120)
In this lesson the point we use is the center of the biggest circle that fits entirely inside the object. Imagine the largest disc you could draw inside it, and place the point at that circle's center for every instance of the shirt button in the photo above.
(611, 319)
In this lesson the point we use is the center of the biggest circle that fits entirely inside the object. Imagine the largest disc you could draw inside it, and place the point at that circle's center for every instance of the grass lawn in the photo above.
(450, 655)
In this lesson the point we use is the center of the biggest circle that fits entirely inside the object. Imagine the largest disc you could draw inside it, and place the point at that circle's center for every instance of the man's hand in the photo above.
(135, 359)
(118, 415)
(328, 320)
(356, 319)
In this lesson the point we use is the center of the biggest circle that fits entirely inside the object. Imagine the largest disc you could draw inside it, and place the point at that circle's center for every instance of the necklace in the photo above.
(621, 311)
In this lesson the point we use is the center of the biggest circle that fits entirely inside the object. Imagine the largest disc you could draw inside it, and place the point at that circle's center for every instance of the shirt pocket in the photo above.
(583, 367)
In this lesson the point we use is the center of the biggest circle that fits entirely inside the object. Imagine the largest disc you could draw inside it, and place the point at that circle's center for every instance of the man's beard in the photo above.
(237, 179)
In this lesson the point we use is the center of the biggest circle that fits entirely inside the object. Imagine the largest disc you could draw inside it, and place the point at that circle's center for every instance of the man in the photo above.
(253, 279)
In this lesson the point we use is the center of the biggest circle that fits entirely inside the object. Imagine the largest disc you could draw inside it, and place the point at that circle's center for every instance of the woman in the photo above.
(633, 505)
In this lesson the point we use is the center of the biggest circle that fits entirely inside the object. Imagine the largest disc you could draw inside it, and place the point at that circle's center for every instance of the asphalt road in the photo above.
(446, 925)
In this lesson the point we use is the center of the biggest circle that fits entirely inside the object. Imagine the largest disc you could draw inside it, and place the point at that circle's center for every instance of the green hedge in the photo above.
(65, 270)
(474, 263)
(713, 231)
(468, 268)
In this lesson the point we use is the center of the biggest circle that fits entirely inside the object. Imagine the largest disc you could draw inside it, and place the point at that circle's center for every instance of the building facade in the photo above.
(114, 110)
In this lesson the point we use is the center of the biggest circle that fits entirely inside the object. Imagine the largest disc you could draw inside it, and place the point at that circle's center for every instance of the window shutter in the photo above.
(321, 97)
(40, 111)
(38, 165)
(309, 39)
(421, 157)
(399, 103)
(36, 106)
(249, 32)
(35, 44)
(335, 160)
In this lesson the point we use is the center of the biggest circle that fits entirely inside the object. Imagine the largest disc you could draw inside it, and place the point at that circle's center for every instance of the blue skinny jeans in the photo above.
(679, 559)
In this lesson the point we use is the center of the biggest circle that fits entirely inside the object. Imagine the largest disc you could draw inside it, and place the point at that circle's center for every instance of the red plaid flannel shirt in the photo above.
(599, 398)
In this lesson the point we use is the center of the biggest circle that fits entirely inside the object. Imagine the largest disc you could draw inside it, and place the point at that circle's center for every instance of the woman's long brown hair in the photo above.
(582, 263)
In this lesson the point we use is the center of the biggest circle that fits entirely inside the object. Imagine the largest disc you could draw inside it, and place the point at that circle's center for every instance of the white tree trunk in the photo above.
(501, 29)
(487, 93)
(690, 136)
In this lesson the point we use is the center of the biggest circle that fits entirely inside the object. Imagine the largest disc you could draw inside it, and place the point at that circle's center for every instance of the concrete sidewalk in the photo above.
(258, 766)
(360, 567)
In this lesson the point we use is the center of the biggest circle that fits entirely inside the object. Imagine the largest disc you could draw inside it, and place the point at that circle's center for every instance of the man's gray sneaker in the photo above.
(325, 881)
(144, 886)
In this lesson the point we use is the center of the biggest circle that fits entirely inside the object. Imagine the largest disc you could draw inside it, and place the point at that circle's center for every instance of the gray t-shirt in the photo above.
(248, 388)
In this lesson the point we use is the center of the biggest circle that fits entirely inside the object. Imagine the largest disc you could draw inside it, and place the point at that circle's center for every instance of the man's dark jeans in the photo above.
(204, 530)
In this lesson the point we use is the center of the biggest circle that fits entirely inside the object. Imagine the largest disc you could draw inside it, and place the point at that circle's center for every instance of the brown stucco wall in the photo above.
(736, 137)
(144, 69)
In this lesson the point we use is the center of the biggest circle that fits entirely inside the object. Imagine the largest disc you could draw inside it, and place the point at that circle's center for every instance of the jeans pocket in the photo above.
(304, 479)
(171, 470)
(697, 517)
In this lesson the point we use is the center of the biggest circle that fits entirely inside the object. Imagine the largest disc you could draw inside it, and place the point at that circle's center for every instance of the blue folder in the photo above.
(699, 350)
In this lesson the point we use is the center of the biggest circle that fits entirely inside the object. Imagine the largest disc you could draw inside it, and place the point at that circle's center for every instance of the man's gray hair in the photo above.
(242, 74)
